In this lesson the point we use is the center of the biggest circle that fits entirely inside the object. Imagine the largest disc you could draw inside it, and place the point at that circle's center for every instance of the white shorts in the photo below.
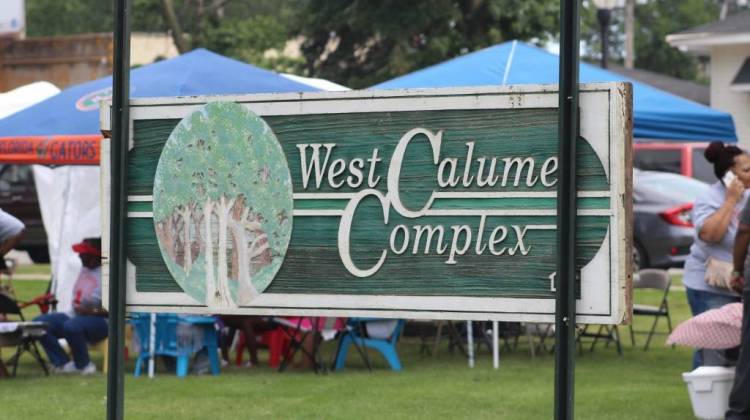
(10, 226)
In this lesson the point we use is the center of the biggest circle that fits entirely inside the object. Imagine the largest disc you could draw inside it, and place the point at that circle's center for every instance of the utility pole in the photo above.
(629, 34)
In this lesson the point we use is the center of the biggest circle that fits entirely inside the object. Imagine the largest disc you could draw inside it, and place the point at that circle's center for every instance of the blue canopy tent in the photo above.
(656, 114)
(72, 116)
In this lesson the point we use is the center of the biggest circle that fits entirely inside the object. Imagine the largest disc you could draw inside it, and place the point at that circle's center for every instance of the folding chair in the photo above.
(658, 280)
(355, 334)
(454, 337)
(542, 332)
(21, 334)
(608, 333)
(298, 329)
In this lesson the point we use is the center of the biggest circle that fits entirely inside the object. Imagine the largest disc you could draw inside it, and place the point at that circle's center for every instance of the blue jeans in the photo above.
(77, 331)
(701, 301)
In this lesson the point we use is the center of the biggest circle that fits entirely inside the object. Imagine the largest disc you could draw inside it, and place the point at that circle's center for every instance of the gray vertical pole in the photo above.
(119, 151)
(565, 306)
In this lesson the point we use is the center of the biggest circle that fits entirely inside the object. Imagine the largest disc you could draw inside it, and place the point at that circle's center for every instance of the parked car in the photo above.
(685, 158)
(663, 226)
(18, 197)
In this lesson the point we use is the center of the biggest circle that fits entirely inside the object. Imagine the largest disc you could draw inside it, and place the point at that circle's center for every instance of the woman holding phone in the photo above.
(708, 268)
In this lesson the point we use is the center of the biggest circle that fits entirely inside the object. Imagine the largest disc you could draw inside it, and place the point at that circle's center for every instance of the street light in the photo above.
(603, 14)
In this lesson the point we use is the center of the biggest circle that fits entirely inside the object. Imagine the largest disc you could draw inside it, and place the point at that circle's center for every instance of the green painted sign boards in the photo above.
(433, 203)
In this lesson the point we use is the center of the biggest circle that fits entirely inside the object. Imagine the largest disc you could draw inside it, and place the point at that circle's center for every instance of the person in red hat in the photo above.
(86, 322)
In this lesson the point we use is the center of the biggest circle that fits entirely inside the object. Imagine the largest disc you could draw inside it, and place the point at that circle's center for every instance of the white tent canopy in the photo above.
(69, 199)
(19, 98)
(321, 84)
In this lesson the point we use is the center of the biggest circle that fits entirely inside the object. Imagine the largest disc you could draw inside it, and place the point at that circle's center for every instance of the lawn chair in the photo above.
(20, 333)
(356, 334)
(172, 343)
(657, 280)
(277, 341)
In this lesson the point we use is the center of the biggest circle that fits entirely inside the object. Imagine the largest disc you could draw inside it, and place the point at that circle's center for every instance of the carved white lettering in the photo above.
(314, 162)
(404, 243)
(355, 168)
(454, 245)
(338, 167)
(372, 181)
(548, 168)
(345, 227)
(394, 170)
(520, 233)
(418, 230)
(519, 165)
(467, 180)
(452, 180)
(494, 240)
(490, 179)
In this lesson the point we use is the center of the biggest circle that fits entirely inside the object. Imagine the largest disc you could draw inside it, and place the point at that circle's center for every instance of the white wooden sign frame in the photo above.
(605, 111)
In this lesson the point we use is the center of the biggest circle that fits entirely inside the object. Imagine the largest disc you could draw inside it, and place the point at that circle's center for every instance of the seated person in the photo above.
(86, 322)
(250, 327)
(11, 232)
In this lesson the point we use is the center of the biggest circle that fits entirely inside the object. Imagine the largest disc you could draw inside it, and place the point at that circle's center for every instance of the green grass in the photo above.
(42, 270)
(640, 384)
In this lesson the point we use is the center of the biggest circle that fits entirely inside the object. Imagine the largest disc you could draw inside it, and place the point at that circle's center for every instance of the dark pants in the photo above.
(77, 331)
(739, 399)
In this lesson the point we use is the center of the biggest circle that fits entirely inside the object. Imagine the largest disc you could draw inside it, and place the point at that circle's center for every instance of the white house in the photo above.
(727, 43)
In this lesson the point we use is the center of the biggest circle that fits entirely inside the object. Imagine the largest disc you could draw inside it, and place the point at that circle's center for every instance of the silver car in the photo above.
(662, 226)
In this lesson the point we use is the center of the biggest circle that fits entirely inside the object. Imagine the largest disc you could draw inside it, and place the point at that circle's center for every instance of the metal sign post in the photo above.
(565, 308)
(120, 134)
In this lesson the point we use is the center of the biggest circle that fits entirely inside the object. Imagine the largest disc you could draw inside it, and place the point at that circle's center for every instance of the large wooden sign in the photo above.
(415, 203)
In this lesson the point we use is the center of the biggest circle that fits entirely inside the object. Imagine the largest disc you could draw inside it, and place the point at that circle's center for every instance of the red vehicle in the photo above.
(680, 158)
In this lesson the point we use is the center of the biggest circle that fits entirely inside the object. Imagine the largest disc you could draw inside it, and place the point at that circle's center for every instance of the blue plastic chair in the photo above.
(353, 335)
(167, 343)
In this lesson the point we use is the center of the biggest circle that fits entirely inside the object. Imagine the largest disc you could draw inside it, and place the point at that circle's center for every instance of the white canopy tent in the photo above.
(22, 97)
(69, 201)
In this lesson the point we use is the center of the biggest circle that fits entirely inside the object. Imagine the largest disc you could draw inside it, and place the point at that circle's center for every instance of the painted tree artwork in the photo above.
(223, 205)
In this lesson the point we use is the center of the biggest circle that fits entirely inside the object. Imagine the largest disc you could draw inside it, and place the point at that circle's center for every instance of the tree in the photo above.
(359, 43)
(243, 30)
(223, 204)
(239, 29)
(55, 17)
(654, 20)
(657, 19)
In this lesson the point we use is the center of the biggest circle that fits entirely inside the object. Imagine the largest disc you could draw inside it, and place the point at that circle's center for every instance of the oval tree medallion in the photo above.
(223, 205)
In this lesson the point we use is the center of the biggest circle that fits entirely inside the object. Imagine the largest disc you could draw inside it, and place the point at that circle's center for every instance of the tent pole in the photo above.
(565, 302)
(119, 155)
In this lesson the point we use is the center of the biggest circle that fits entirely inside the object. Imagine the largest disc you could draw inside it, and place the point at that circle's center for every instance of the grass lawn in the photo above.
(638, 385)
(41, 270)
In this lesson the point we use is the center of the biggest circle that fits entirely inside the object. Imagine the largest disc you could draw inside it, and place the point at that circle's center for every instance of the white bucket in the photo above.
(709, 388)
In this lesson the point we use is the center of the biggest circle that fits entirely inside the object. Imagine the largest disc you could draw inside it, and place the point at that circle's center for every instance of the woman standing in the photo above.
(715, 216)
